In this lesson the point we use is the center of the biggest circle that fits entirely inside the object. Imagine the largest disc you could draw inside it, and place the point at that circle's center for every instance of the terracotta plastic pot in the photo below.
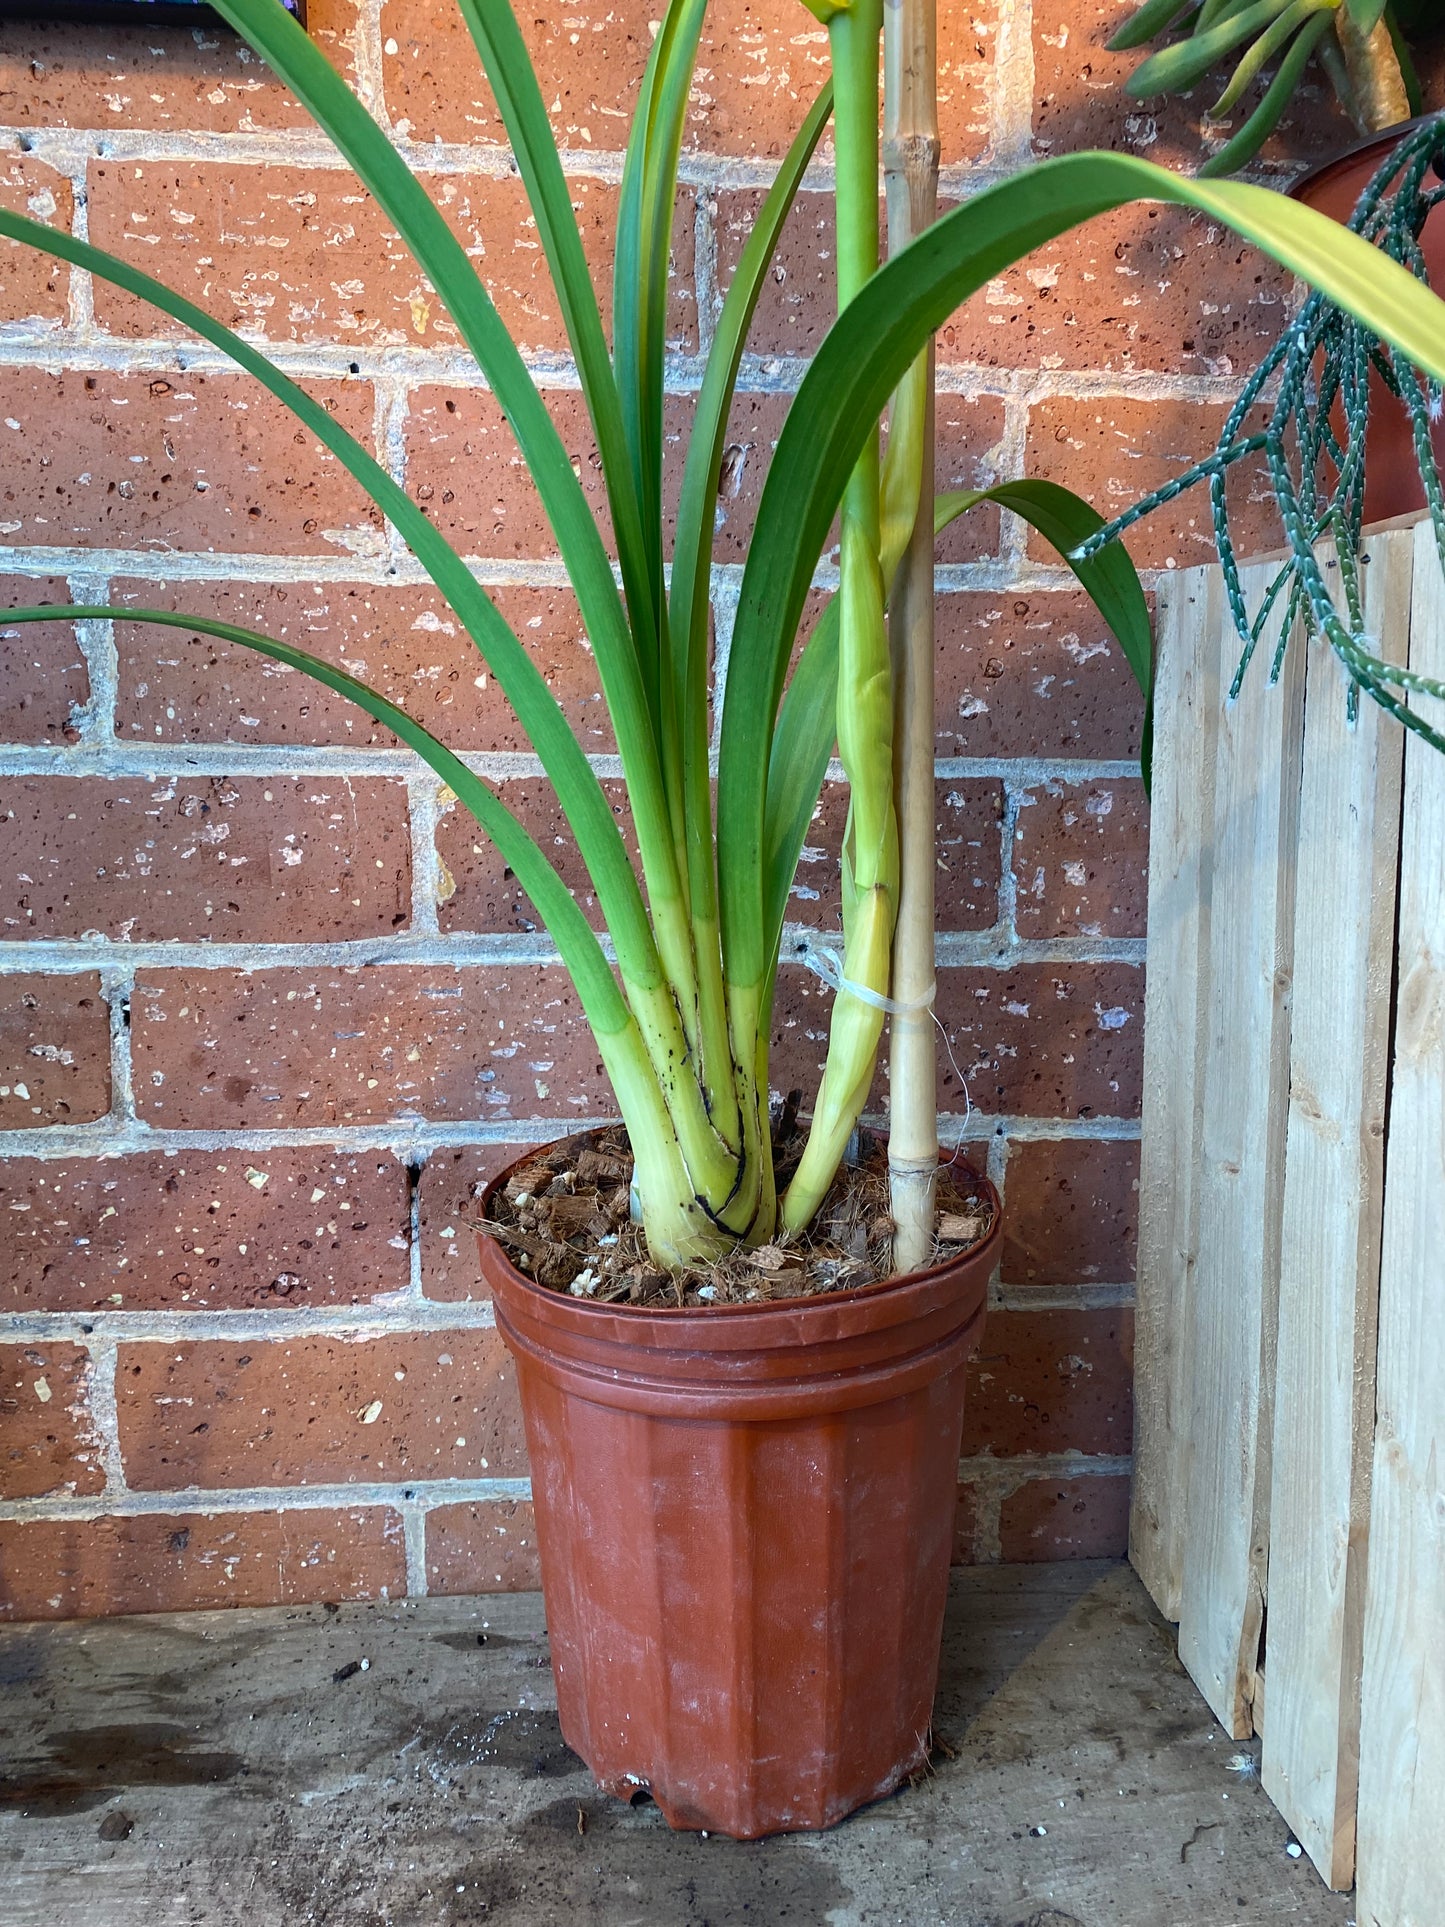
(745, 1516)
(1392, 474)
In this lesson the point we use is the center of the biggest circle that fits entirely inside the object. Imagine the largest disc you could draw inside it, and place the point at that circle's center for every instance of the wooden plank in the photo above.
(1349, 836)
(1402, 1730)
(1181, 816)
(1241, 1178)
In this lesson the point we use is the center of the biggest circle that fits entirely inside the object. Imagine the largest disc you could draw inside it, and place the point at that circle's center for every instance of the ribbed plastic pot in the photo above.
(1392, 473)
(745, 1515)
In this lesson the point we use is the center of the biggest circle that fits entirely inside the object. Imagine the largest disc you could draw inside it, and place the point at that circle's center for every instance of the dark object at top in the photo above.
(131, 13)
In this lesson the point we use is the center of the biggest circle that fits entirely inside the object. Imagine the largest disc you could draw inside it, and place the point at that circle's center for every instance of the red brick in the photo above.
(758, 72)
(1113, 450)
(488, 1547)
(466, 473)
(192, 1561)
(43, 678)
(965, 1526)
(1044, 1040)
(184, 461)
(1072, 1212)
(406, 643)
(306, 255)
(800, 294)
(968, 433)
(1033, 674)
(34, 286)
(159, 77)
(451, 1184)
(187, 1231)
(484, 893)
(589, 69)
(1051, 1381)
(1080, 100)
(968, 857)
(1084, 1518)
(295, 1412)
(1081, 859)
(245, 859)
(54, 1052)
(1145, 288)
(222, 1049)
(47, 1440)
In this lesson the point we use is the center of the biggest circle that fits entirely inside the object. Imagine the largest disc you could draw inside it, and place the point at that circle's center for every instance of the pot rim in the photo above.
(1372, 147)
(714, 1315)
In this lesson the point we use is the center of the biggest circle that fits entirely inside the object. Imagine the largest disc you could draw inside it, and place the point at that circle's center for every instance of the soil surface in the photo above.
(565, 1219)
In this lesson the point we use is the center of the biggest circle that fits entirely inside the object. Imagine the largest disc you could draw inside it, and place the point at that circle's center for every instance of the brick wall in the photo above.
(270, 1009)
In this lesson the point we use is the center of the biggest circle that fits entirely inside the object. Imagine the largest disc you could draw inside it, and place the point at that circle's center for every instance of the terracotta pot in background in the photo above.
(745, 1516)
(1392, 474)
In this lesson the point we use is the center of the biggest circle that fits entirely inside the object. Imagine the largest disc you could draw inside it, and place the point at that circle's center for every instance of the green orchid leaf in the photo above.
(861, 360)
(573, 935)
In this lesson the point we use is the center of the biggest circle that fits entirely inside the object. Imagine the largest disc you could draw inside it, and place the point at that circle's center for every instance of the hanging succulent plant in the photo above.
(1363, 46)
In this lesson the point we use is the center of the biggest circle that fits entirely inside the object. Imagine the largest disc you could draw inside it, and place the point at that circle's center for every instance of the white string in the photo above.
(826, 965)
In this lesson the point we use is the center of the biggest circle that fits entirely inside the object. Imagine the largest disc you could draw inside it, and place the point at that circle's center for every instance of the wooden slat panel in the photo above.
(1181, 821)
(1241, 1180)
(1402, 1731)
(1349, 836)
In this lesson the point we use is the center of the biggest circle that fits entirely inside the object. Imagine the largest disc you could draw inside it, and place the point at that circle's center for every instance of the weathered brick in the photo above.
(484, 894)
(306, 255)
(1044, 1040)
(175, 1231)
(487, 1547)
(221, 1049)
(968, 431)
(245, 859)
(1035, 674)
(1080, 99)
(968, 857)
(451, 1184)
(965, 1525)
(1081, 859)
(48, 1442)
(1113, 450)
(1145, 288)
(1072, 1213)
(799, 297)
(185, 461)
(54, 1051)
(160, 77)
(1051, 1381)
(589, 68)
(407, 643)
(466, 473)
(318, 1410)
(192, 1561)
(43, 678)
(757, 74)
(1083, 1518)
(34, 286)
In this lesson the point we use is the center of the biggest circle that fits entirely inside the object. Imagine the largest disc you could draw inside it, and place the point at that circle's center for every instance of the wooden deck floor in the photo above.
(382, 1766)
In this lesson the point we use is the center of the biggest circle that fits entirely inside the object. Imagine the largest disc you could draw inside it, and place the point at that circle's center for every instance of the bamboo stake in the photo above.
(910, 162)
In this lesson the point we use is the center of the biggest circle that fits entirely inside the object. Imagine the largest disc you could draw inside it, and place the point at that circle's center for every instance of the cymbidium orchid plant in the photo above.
(681, 1007)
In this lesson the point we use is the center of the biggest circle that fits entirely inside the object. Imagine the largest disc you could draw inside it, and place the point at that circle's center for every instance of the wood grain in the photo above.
(1402, 1732)
(1330, 1253)
(1241, 1177)
(1181, 816)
